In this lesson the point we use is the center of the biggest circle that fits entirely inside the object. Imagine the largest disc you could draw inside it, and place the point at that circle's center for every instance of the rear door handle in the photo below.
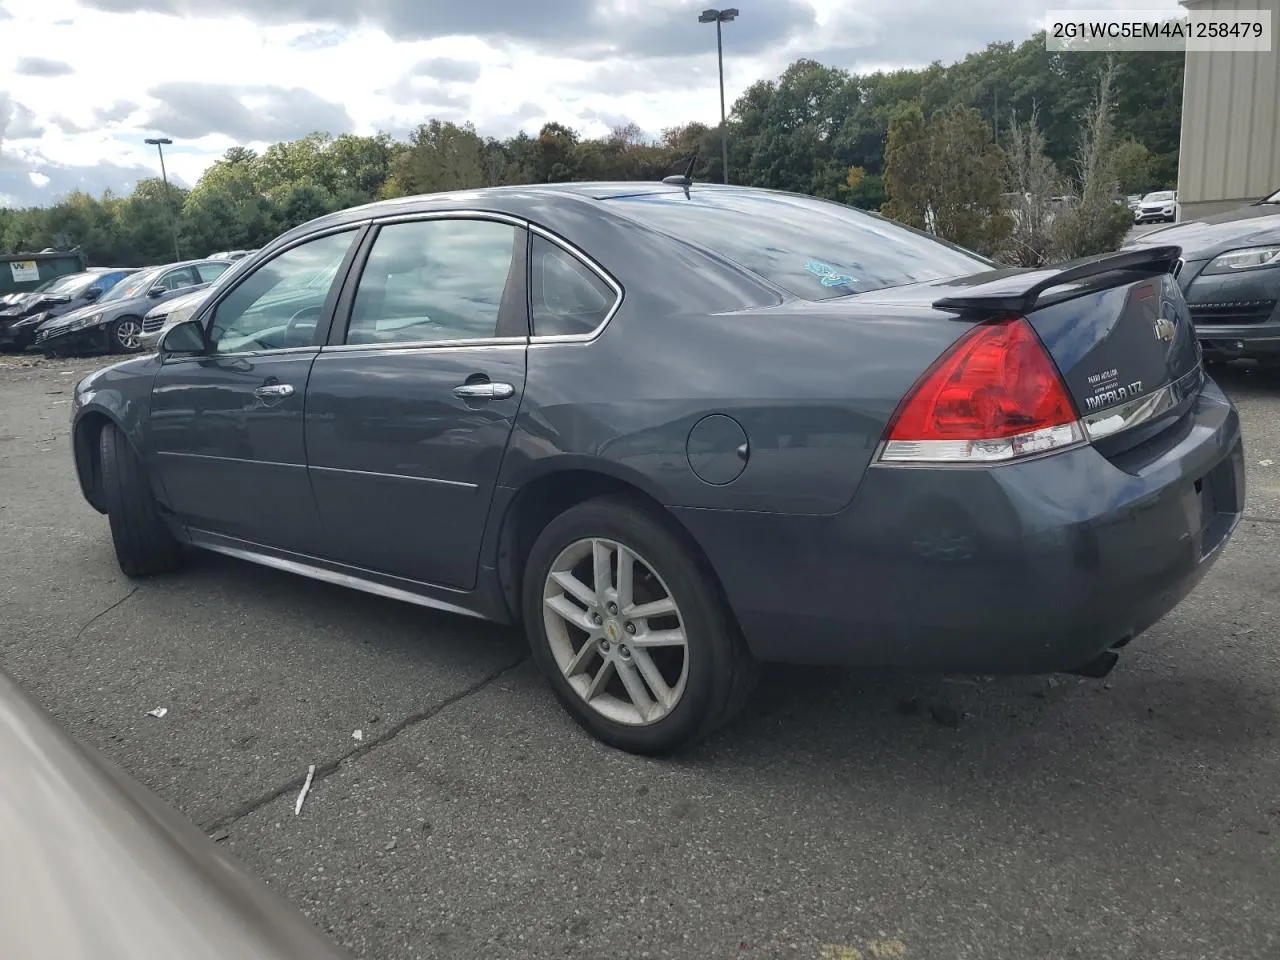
(484, 391)
(268, 390)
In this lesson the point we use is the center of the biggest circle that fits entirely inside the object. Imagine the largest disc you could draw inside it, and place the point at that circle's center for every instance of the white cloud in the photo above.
(211, 75)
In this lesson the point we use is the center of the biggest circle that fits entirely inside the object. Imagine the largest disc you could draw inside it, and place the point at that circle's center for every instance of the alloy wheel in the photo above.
(129, 334)
(615, 631)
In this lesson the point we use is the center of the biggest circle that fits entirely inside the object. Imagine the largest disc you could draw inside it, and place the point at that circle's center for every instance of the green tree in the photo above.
(908, 174)
(1132, 163)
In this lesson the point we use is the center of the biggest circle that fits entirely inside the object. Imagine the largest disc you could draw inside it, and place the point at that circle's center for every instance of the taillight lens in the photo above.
(995, 395)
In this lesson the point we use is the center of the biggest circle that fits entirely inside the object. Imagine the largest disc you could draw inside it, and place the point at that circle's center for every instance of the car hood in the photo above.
(68, 318)
(1211, 236)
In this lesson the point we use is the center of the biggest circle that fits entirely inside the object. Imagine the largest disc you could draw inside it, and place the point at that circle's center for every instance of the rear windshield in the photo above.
(810, 248)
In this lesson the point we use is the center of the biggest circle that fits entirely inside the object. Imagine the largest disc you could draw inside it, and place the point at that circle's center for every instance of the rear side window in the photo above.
(210, 271)
(810, 248)
(569, 298)
(433, 280)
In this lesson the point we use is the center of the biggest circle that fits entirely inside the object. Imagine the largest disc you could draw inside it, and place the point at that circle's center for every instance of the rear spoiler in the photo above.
(1018, 293)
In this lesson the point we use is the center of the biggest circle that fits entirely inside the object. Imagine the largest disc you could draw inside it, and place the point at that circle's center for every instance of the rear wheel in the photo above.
(630, 629)
(125, 335)
(144, 546)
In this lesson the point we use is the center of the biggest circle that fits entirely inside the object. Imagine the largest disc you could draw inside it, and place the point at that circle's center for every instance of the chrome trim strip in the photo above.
(1133, 413)
(255, 355)
(462, 484)
(467, 214)
(598, 270)
(216, 459)
(198, 538)
(408, 346)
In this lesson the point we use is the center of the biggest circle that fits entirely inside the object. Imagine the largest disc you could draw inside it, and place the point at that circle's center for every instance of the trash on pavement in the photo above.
(158, 712)
(297, 807)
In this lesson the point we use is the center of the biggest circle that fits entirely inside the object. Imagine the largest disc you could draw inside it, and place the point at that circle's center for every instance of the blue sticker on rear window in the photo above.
(830, 276)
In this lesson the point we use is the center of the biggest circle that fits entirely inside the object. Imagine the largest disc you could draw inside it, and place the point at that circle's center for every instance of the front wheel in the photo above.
(125, 335)
(630, 629)
(144, 546)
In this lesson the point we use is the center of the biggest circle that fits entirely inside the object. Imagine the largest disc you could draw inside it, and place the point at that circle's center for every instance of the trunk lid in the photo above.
(1117, 327)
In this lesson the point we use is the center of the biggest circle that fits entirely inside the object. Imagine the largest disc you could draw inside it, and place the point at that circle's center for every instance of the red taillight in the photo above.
(995, 395)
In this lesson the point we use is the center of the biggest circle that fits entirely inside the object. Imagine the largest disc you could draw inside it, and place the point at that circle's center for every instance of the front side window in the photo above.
(433, 280)
(279, 304)
(132, 286)
(177, 279)
(568, 296)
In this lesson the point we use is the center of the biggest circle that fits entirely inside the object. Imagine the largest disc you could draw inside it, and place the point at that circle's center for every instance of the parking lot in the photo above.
(845, 815)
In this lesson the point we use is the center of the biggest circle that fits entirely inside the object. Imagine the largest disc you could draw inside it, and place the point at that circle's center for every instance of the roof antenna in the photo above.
(683, 179)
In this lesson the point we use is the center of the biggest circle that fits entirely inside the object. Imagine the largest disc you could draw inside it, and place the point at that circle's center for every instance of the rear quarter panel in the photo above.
(812, 385)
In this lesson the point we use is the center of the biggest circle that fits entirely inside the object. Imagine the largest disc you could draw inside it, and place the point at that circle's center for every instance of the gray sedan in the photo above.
(679, 430)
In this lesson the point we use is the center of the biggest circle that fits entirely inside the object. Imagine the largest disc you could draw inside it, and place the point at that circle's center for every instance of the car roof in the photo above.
(522, 199)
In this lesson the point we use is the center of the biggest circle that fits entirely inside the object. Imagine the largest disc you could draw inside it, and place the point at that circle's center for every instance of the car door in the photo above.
(411, 404)
(226, 427)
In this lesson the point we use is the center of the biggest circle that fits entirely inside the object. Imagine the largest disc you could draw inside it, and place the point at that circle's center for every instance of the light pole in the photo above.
(718, 17)
(160, 143)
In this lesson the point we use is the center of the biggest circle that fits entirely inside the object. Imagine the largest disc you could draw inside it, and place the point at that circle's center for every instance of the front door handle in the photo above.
(271, 390)
(484, 391)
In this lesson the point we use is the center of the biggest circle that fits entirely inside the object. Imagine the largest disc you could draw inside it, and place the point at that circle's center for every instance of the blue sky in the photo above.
(84, 82)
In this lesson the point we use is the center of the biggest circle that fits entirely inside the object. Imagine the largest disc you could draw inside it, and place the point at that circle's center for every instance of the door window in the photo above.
(432, 280)
(177, 279)
(568, 296)
(210, 271)
(279, 304)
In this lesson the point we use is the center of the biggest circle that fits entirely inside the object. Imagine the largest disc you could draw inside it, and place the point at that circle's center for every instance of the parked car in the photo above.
(1230, 275)
(114, 323)
(96, 867)
(677, 430)
(19, 323)
(230, 255)
(1134, 200)
(1156, 207)
(168, 313)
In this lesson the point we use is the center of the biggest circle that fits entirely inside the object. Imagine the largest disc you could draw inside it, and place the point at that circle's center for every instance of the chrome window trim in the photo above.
(414, 346)
(585, 259)
(451, 215)
(240, 355)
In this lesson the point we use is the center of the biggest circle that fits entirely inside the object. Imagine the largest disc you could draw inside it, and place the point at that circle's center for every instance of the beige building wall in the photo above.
(1230, 149)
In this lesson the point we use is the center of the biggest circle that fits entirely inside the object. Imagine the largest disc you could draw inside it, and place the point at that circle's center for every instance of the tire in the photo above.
(717, 672)
(115, 334)
(144, 546)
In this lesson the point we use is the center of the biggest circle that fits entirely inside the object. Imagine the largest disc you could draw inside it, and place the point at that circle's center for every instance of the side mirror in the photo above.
(157, 292)
(185, 339)
(92, 294)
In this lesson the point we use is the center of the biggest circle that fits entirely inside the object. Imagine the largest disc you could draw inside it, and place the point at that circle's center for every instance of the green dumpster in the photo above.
(20, 272)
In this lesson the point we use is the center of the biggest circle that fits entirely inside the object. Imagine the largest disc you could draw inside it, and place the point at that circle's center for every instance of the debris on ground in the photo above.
(357, 735)
(158, 712)
(311, 772)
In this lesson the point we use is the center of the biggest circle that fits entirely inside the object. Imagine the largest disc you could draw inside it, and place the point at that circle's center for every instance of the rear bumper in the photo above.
(1026, 568)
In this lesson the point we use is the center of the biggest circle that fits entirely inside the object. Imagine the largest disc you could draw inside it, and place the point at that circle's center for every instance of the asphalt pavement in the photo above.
(845, 816)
